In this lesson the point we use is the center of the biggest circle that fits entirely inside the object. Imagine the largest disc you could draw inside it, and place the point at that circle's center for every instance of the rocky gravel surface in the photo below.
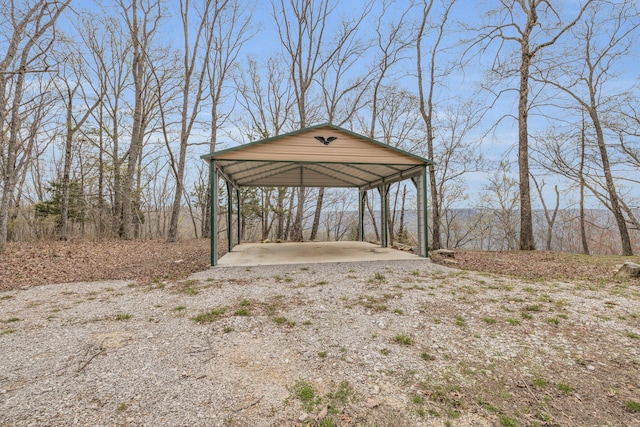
(405, 343)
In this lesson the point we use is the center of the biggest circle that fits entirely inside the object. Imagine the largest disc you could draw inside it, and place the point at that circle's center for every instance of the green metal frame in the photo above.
(213, 212)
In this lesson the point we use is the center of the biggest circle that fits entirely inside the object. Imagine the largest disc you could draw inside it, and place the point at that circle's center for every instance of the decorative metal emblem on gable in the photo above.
(327, 140)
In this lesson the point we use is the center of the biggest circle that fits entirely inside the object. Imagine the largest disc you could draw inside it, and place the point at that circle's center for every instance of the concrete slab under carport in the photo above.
(251, 254)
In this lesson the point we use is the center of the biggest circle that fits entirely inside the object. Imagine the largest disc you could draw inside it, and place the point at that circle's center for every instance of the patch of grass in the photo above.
(179, 308)
(398, 311)
(322, 354)
(242, 312)
(526, 315)
(227, 329)
(122, 407)
(378, 278)
(210, 316)
(633, 335)
(417, 399)
(123, 316)
(342, 395)
(11, 320)
(553, 321)
(534, 307)
(280, 319)
(403, 339)
(540, 382)
(506, 421)
(327, 422)
(385, 351)
(437, 320)
(632, 405)
(307, 322)
(245, 303)
(415, 273)
(322, 283)
(427, 356)
(489, 320)
(7, 332)
(5, 297)
(488, 406)
(460, 321)
(512, 321)
(190, 290)
(306, 394)
(565, 388)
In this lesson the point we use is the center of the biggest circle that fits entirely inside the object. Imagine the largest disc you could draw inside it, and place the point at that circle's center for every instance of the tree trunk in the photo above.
(583, 231)
(373, 218)
(527, 242)
(625, 239)
(316, 215)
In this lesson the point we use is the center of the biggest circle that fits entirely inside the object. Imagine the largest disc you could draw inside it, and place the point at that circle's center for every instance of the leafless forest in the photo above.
(529, 108)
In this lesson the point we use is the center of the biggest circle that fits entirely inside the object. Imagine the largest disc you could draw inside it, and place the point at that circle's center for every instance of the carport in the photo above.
(319, 156)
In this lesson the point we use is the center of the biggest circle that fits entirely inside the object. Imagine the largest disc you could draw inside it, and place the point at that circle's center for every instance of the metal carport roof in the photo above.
(306, 158)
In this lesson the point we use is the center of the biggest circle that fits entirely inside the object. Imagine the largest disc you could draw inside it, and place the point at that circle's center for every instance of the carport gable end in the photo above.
(320, 156)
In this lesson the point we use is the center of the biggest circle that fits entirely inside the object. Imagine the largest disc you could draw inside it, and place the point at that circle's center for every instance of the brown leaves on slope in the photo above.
(39, 263)
(538, 265)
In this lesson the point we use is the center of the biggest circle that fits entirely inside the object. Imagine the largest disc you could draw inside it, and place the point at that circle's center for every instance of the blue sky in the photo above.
(497, 142)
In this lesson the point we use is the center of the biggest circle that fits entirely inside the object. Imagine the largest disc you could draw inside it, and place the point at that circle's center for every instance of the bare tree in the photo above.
(301, 26)
(501, 192)
(72, 87)
(142, 18)
(229, 29)
(30, 39)
(426, 103)
(533, 25)
(550, 217)
(604, 37)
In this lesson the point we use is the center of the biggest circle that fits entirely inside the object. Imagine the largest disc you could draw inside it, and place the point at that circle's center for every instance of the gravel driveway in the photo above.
(402, 343)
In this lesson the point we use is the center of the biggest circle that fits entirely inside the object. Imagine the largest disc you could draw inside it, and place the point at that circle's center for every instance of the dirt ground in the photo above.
(532, 338)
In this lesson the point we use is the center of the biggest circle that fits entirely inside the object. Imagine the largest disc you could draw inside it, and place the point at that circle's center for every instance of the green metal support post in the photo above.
(213, 212)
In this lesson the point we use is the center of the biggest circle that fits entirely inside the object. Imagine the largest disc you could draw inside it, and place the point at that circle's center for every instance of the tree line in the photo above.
(106, 106)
